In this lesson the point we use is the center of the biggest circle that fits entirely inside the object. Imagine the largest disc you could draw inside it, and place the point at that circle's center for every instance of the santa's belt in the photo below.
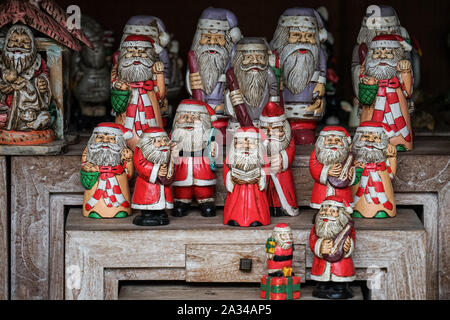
(192, 154)
(282, 258)
(146, 85)
(381, 166)
(108, 169)
(391, 83)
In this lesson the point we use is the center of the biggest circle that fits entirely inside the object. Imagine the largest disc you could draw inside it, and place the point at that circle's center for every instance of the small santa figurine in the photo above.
(331, 166)
(138, 86)
(194, 152)
(245, 179)
(152, 194)
(279, 251)
(376, 165)
(281, 151)
(106, 167)
(332, 240)
(386, 82)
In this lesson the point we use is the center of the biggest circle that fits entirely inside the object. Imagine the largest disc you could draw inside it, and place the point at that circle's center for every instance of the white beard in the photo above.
(211, 66)
(135, 73)
(326, 156)
(18, 61)
(381, 72)
(100, 156)
(284, 244)
(153, 155)
(245, 162)
(189, 140)
(275, 146)
(329, 229)
(367, 155)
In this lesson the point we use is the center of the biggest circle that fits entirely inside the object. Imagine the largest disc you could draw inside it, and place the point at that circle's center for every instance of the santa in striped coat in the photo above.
(375, 161)
(387, 68)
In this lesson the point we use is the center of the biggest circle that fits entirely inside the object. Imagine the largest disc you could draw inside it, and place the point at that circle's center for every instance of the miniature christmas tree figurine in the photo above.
(280, 283)
(244, 175)
(376, 165)
(155, 170)
(106, 167)
(281, 152)
(332, 240)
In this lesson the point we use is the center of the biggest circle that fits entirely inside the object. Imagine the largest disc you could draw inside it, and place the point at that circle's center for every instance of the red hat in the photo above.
(138, 40)
(336, 131)
(374, 126)
(155, 132)
(113, 128)
(389, 41)
(272, 112)
(282, 227)
(191, 105)
(337, 201)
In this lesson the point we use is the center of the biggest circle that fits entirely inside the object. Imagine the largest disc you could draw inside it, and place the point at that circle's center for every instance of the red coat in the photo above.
(149, 192)
(343, 268)
(193, 171)
(281, 190)
(319, 192)
(281, 253)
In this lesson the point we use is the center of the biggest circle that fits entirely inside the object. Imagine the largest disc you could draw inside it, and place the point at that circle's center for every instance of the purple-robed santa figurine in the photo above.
(301, 62)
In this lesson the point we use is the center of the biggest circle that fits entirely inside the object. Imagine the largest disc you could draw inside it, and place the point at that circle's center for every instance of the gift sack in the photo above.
(88, 179)
(119, 100)
(280, 288)
(367, 93)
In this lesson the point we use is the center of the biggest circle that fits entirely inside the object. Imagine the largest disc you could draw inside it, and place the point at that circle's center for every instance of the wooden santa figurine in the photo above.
(245, 178)
(331, 166)
(281, 151)
(155, 173)
(332, 240)
(376, 165)
(106, 167)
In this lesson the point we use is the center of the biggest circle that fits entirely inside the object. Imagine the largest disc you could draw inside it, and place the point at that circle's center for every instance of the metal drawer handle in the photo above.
(245, 265)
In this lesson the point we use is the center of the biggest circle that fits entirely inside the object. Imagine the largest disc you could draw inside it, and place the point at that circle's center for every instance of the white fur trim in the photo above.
(189, 181)
(285, 160)
(247, 134)
(235, 34)
(108, 130)
(317, 247)
(273, 119)
(378, 22)
(128, 135)
(272, 60)
(389, 133)
(156, 134)
(164, 39)
(158, 48)
(146, 44)
(337, 204)
(335, 278)
(188, 82)
(192, 108)
(229, 183)
(154, 174)
(161, 204)
(251, 47)
(323, 35)
(274, 99)
(204, 183)
(297, 21)
(210, 24)
(324, 174)
(284, 204)
(314, 205)
(262, 181)
(140, 30)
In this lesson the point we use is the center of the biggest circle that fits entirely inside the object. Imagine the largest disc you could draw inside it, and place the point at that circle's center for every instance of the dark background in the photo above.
(428, 21)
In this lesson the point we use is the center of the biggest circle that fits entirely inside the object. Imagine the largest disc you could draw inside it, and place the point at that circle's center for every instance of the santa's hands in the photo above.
(276, 163)
(270, 256)
(162, 172)
(174, 152)
(90, 167)
(121, 85)
(127, 155)
(214, 147)
(347, 245)
(42, 85)
(236, 97)
(370, 81)
(319, 90)
(359, 164)
(195, 81)
(335, 170)
(158, 67)
(391, 151)
(404, 66)
(326, 246)
(317, 107)
(351, 173)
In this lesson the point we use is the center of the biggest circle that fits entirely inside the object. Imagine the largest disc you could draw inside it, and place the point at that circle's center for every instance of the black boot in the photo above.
(180, 209)
(233, 223)
(208, 209)
(276, 212)
(255, 224)
(321, 290)
(340, 290)
(150, 218)
(163, 218)
(278, 273)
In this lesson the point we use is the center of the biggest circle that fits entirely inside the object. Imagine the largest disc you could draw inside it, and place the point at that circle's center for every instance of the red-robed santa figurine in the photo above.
(331, 166)
(281, 151)
(279, 251)
(152, 162)
(332, 240)
(194, 153)
(245, 179)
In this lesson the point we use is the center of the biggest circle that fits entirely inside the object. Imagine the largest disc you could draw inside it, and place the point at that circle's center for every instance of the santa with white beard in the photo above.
(331, 166)
(152, 194)
(332, 240)
(376, 165)
(245, 177)
(279, 251)
(24, 85)
(297, 43)
(194, 153)
(106, 167)
(387, 70)
(281, 152)
(139, 72)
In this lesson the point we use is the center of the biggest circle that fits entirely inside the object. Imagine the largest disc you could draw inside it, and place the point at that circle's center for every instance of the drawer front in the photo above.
(221, 262)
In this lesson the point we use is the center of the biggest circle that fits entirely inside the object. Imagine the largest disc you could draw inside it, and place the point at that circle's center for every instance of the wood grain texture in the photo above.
(4, 243)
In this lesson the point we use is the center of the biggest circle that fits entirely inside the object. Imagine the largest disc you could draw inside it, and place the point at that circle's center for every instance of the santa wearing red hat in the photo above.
(245, 178)
(141, 74)
(194, 151)
(152, 194)
(279, 251)
(331, 166)
(281, 151)
(332, 240)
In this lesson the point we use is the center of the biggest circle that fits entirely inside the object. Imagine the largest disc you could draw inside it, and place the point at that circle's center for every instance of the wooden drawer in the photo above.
(221, 262)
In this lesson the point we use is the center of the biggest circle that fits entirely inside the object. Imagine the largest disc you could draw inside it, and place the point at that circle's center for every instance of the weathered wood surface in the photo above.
(93, 246)
(4, 244)
(36, 179)
(195, 292)
(54, 148)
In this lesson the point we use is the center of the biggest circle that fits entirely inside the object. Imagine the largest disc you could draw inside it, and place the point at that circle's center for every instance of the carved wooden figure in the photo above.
(331, 166)
(155, 172)
(281, 151)
(245, 178)
(106, 167)
(332, 240)
(194, 152)
(301, 63)
(376, 165)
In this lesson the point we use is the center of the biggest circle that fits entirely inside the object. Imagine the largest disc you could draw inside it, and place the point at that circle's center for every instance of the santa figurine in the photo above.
(138, 86)
(251, 82)
(194, 152)
(301, 62)
(332, 240)
(376, 165)
(155, 173)
(279, 251)
(106, 167)
(281, 152)
(331, 165)
(209, 58)
(245, 178)
(386, 82)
